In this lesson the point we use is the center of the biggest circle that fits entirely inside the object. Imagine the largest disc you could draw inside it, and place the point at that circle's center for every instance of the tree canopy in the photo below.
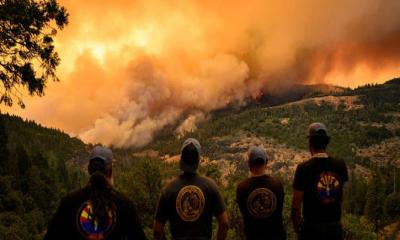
(27, 53)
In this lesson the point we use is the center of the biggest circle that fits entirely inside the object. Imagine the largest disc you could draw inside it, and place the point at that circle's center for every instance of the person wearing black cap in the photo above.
(96, 212)
(260, 199)
(190, 201)
(318, 189)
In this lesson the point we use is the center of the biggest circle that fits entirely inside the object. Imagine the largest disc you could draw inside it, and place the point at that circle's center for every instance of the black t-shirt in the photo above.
(260, 200)
(321, 179)
(189, 202)
(73, 219)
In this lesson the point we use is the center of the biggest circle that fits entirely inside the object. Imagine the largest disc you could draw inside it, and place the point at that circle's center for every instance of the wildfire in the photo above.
(131, 67)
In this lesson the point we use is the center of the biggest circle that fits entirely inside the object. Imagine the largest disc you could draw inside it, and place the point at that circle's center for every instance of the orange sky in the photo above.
(131, 67)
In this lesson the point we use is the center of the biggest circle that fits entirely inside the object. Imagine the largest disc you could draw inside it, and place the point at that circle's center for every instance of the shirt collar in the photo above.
(320, 155)
(258, 175)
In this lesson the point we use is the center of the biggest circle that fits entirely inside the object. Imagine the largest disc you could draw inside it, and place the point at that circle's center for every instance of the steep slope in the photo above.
(364, 125)
(33, 175)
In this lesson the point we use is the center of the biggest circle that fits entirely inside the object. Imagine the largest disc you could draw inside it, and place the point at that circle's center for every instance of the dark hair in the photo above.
(100, 190)
(256, 163)
(319, 142)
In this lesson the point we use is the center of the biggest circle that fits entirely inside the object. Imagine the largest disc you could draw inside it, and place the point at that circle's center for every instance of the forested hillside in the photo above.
(40, 165)
(364, 125)
(33, 175)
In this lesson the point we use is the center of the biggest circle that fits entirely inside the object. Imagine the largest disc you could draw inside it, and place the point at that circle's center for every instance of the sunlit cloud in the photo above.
(129, 68)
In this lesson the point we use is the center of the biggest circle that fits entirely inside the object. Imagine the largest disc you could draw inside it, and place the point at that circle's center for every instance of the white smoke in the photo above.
(129, 68)
(153, 102)
(190, 124)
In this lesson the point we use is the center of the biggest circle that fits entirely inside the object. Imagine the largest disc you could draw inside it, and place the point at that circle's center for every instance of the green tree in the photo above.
(392, 205)
(375, 200)
(12, 227)
(355, 194)
(141, 181)
(23, 161)
(27, 54)
(358, 228)
(3, 146)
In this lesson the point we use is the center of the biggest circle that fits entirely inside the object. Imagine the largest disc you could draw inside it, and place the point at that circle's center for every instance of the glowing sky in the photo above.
(131, 67)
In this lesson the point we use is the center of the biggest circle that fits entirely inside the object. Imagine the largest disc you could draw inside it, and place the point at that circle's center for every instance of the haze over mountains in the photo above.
(130, 68)
(40, 165)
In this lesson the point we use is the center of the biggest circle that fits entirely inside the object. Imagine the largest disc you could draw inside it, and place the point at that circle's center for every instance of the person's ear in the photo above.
(110, 176)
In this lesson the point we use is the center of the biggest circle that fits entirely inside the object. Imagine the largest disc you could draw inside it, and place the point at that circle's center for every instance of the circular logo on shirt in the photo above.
(190, 203)
(328, 187)
(88, 224)
(261, 203)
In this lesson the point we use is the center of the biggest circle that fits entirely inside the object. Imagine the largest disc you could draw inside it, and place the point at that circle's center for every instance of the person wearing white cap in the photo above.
(318, 190)
(260, 199)
(190, 201)
(97, 211)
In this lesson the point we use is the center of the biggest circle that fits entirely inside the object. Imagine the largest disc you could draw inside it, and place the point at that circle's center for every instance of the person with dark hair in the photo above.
(260, 199)
(318, 189)
(190, 201)
(98, 211)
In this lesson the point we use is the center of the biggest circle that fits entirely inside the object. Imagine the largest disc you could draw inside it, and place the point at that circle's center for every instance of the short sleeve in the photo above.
(218, 204)
(161, 214)
(238, 194)
(281, 190)
(240, 198)
(298, 181)
(58, 223)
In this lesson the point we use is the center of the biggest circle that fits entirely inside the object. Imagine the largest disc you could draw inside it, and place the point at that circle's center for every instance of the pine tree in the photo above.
(27, 50)
(4, 153)
(23, 161)
(375, 199)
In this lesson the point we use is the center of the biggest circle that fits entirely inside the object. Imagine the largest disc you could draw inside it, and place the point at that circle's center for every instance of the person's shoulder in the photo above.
(76, 195)
(305, 163)
(207, 180)
(275, 180)
(244, 183)
(171, 185)
(121, 197)
(337, 160)
(340, 164)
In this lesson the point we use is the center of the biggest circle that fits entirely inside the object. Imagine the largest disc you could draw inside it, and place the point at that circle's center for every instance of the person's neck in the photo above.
(318, 152)
(257, 174)
(189, 173)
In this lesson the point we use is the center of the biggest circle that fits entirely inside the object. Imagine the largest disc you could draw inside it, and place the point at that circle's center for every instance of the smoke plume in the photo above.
(129, 68)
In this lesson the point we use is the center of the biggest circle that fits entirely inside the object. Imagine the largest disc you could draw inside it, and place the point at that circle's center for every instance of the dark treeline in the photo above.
(33, 176)
(39, 166)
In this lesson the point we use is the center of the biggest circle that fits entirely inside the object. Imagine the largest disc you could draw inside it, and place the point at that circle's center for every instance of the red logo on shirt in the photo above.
(88, 224)
(328, 187)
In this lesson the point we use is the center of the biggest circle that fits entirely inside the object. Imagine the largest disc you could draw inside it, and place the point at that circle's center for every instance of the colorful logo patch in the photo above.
(328, 187)
(261, 203)
(190, 203)
(88, 225)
